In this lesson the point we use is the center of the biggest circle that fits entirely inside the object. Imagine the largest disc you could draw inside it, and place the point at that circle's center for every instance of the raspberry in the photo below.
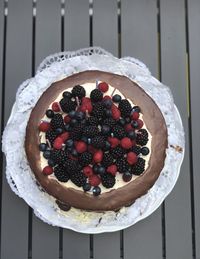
(87, 170)
(80, 146)
(44, 126)
(58, 142)
(116, 114)
(67, 119)
(96, 95)
(97, 157)
(135, 115)
(131, 158)
(47, 170)
(126, 143)
(113, 142)
(55, 107)
(64, 136)
(140, 123)
(128, 127)
(61, 174)
(103, 87)
(107, 97)
(94, 180)
(112, 169)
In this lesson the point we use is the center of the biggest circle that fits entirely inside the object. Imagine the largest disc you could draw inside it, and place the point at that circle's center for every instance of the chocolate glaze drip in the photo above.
(114, 199)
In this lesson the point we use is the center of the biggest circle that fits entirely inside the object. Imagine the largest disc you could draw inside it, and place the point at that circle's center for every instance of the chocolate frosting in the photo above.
(117, 198)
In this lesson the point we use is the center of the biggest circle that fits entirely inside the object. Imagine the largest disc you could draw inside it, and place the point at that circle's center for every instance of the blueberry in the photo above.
(122, 122)
(47, 154)
(116, 98)
(131, 134)
(95, 168)
(70, 149)
(73, 122)
(127, 120)
(86, 187)
(51, 163)
(127, 176)
(134, 124)
(67, 94)
(101, 170)
(85, 139)
(49, 113)
(69, 143)
(105, 130)
(42, 147)
(107, 103)
(74, 153)
(136, 109)
(59, 131)
(72, 114)
(144, 151)
(79, 116)
(106, 146)
(108, 113)
(96, 190)
(68, 128)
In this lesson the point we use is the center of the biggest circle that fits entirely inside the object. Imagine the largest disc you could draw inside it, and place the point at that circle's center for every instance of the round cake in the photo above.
(96, 141)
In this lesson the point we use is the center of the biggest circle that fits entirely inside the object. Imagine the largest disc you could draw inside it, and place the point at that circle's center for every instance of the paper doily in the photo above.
(22, 180)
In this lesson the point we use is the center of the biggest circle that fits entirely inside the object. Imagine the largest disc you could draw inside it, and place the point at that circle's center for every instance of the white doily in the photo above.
(22, 180)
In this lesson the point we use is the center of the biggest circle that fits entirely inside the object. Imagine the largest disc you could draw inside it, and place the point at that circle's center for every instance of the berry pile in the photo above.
(90, 139)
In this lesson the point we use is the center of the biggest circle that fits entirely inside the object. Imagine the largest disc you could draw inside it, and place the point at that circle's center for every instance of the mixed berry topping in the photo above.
(89, 140)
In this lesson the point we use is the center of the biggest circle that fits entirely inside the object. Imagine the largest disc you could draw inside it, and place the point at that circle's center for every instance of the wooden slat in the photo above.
(76, 35)
(1, 50)
(48, 41)
(139, 39)
(173, 56)
(14, 221)
(105, 16)
(76, 24)
(105, 25)
(194, 54)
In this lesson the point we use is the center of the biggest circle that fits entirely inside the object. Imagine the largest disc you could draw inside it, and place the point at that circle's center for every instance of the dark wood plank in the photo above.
(105, 25)
(76, 35)
(139, 39)
(1, 51)
(18, 67)
(48, 41)
(194, 62)
(105, 16)
(76, 24)
(173, 56)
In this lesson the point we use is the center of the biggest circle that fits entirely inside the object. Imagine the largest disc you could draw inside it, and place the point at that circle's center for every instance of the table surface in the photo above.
(165, 35)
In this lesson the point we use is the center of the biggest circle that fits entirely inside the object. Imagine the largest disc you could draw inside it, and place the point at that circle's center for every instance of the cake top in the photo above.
(93, 137)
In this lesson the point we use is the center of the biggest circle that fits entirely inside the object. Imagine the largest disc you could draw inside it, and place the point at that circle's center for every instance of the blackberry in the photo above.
(136, 149)
(59, 156)
(72, 166)
(142, 137)
(110, 122)
(138, 168)
(117, 152)
(107, 159)
(78, 178)
(61, 174)
(119, 132)
(92, 121)
(57, 121)
(125, 108)
(108, 180)
(77, 131)
(78, 91)
(85, 158)
(122, 165)
(67, 105)
(98, 142)
(51, 136)
(96, 95)
(98, 110)
(91, 131)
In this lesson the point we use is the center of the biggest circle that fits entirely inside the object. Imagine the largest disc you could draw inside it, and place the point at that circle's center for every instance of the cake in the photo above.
(96, 141)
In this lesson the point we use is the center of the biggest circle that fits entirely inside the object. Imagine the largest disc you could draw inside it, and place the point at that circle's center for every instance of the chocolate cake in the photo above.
(96, 141)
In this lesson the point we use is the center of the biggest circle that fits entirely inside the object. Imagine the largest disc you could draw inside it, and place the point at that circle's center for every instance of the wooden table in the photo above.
(165, 35)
